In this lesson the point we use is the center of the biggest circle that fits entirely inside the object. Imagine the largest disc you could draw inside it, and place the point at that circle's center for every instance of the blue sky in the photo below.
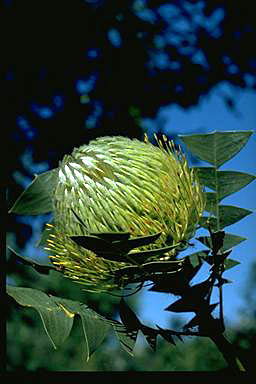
(210, 115)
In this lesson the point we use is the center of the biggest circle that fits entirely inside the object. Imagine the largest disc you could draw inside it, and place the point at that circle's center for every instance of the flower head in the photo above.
(115, 184)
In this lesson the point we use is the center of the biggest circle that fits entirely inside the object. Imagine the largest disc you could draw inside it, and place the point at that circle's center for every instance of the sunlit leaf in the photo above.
(217, 147)
(228, 215)
(225, 183)
(37, 198)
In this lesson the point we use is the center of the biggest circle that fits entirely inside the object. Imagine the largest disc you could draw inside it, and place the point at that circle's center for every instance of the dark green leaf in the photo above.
(142, 256)
(195, 321)
(95, 327)
(150, 335)
(128, 317)
(56, 323)
(182, 305)
(217, 240)
(166, 334)
(225, 183)
(40, 268)
(45, 235)
(230, 263)
(57, 315)
(218, 147)
(230, 241)
(112, 236)
(230, 182)
(222, 281)
(162, 266)
(37, 198)
(127, 338)
(95, 244)
(126, 246)
(199, 291)
(196, 258)
(211, 202)
(228, 215)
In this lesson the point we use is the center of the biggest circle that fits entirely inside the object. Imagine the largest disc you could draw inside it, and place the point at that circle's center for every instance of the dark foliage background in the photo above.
(76, 70)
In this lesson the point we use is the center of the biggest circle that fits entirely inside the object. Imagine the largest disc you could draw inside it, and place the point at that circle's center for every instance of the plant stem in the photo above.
(209, 325)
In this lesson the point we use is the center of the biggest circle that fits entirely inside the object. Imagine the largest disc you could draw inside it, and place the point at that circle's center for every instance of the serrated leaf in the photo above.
(177, 282)
(58, 314)
(182, 305)
(166, 334)
(128, 317)
(150, 335)
(40, 268)
(224, 182)
(195, 321)
(217, 147)
(228, 215)
(230, 241)
(127, 338)
(37, 197)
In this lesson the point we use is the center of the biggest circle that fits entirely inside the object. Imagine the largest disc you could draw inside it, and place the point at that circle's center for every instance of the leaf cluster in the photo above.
(57, 314)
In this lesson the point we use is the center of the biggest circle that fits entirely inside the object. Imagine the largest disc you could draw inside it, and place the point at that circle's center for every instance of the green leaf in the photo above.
(56, 323)
(230, 263)
(40, 268)
(211, 202)
(96, 245)
(37, 198)
(128, 317)
(126, 246)
(225, 183)
(141, 257)
(95, 326)
(127, 338)
(228, 215)
(45, 235)
(112, 236)
(58, 314)
(230, 241)
(217, 147)
(196, 258)
(182, 305)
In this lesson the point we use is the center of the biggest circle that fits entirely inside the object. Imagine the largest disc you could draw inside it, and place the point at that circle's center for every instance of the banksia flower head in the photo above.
(113, 185)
